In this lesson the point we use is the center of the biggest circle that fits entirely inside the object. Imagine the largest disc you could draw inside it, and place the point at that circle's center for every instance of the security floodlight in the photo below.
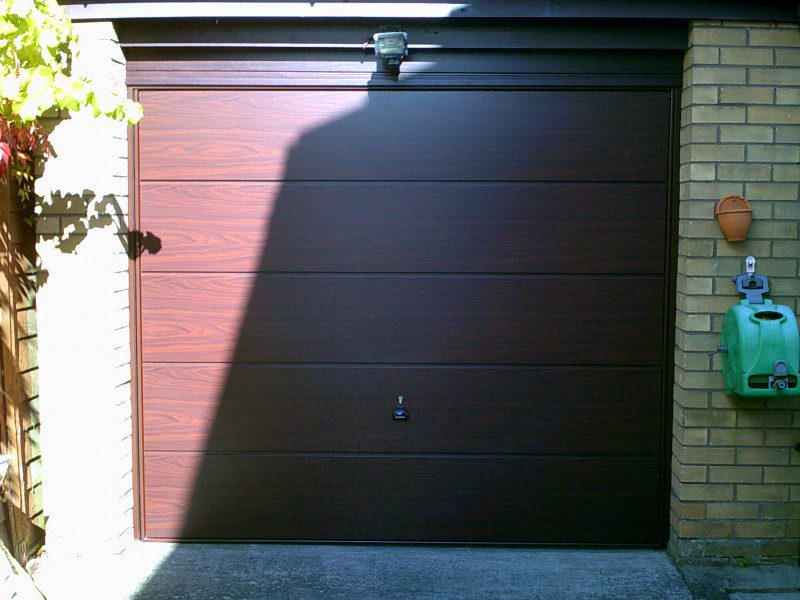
(391, 47)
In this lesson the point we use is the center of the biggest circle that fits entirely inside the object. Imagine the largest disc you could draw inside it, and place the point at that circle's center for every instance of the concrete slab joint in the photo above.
(735, 474)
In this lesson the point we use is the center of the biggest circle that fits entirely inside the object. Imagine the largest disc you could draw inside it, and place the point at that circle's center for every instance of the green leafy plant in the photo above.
(37, 45)
(745, 561)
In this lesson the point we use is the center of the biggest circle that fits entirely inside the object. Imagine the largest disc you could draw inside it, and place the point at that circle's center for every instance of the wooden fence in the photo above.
(21, 517)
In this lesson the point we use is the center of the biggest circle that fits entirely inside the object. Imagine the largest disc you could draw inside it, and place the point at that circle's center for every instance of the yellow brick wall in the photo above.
(735, 473)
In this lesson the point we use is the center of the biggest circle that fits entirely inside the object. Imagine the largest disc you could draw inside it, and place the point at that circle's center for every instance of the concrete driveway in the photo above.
(226, 571)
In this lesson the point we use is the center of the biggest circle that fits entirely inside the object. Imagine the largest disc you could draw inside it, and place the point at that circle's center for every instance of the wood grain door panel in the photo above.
(477, 409)
(400, 319)
(404, 135)
(405, 227)
(390, 498)
(498, 257)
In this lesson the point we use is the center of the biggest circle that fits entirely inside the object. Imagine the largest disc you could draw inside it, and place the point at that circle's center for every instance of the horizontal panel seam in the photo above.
(653, 182)
(437, 455)
(402, 274)
(565, 182)
(621, 367)
(420, 365)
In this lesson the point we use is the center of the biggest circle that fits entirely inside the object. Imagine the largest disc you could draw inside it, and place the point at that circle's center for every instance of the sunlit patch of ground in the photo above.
(101, 576)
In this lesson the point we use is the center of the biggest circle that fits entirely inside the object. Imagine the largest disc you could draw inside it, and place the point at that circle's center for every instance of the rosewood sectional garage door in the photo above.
(496, 258)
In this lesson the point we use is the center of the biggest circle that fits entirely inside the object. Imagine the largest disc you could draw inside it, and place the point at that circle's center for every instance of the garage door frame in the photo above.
(151, 68)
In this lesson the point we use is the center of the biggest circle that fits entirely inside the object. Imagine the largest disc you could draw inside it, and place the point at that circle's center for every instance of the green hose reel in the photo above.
(760, 342)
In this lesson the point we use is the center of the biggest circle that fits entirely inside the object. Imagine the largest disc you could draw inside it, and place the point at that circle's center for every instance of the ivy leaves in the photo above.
(36, 45)
(5, 158)
(36, 95)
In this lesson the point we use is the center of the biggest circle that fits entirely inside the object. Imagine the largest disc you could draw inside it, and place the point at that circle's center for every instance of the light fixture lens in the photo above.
(391, 44)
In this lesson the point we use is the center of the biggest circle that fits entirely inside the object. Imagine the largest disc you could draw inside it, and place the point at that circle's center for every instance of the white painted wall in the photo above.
(83, 315)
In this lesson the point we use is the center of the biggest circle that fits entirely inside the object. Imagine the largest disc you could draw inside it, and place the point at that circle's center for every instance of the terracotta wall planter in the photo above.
(734, 216)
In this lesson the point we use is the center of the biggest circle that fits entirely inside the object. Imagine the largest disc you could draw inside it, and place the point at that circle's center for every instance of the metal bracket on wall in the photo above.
(751, 285)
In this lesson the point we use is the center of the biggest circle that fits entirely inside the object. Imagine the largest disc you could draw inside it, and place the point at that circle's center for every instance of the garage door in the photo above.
(491, 262)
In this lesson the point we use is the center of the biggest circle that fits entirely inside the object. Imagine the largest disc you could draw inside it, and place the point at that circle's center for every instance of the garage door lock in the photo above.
(400, 414)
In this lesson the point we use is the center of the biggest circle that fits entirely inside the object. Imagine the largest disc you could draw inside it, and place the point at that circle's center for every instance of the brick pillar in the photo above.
(735, 475)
